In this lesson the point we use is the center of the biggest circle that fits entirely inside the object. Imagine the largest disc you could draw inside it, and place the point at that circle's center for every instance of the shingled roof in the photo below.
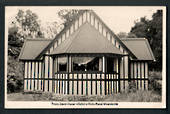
(32, 47)
(140, 48)
(70, 24)
(86, 40)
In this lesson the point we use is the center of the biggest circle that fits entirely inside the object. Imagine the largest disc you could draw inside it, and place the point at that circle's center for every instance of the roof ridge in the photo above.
(60, 33)
(38, 39)
(132, 38)
(111, 31)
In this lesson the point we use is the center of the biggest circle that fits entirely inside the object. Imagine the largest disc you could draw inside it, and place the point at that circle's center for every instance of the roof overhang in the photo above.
(140, 47)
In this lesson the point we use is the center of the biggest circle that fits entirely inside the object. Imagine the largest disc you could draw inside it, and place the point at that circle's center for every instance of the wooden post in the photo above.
(104, 73)
(126, 64)
(68, 72)
(100, 64)
(36, 76)
(25, 76)
(146, 75)
(32, 78)
(119, 75)
(103, 64)
(40, 72)
(53, 75)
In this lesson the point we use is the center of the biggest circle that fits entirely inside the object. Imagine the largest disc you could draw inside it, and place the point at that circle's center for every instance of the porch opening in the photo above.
(86, 75)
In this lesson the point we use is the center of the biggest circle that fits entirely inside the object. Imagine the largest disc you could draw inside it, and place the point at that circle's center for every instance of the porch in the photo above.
(86, 74)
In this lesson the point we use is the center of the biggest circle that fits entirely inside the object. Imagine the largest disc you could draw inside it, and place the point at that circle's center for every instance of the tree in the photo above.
(29, 25)
(122, 35)
(126, 35)
(51, 29)
(25, 25)
(141, 28)
(68, 15)
(152, 30)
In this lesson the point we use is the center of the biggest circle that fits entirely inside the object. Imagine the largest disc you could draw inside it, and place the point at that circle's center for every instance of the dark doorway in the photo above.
(110, 65)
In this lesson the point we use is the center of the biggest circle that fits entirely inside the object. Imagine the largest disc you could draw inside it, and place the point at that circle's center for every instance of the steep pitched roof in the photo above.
(115, 36)
(140, 47)
(32, 47)
(58, 35)
(86, 40)
(92, 12)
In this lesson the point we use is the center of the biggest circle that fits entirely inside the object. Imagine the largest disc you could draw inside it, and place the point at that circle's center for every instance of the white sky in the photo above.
(118, 18)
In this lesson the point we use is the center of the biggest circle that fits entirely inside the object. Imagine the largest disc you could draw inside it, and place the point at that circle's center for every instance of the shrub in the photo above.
(14, 83)
(14, 75)
(155, 79)
(132, 87)
(143, 96)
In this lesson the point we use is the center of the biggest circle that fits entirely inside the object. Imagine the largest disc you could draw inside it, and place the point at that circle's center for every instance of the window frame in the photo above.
(88, 71)
(66, 71)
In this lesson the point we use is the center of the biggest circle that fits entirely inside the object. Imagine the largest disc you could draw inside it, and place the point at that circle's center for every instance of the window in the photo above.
(62, 63)
(87, 63)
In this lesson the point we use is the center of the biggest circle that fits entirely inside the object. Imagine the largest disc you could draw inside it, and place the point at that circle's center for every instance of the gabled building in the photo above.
(86, 58)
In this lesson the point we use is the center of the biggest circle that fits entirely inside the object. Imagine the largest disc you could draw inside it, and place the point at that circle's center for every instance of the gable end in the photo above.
(94, 20)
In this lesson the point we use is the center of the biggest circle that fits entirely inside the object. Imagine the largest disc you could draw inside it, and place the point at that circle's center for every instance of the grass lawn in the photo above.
(139, 96)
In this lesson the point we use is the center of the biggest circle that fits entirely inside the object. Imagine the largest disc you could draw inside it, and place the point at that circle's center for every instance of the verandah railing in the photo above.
(84, 83)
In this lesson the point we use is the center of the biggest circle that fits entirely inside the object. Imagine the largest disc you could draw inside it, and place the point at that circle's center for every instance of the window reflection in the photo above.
(62, 63)
(87, 63)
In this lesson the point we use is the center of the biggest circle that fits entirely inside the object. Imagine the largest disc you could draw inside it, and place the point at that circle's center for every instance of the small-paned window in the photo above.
(87, 63)
(62, 64)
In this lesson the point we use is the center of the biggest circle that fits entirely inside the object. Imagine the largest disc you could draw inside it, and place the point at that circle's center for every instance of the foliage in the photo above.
(51, 29)
(138, 96)
(132, 87)
(14, 83)
(152, 30)
(15, 75)
(24, 26)
(155, 81)
(68, 15)
(157, 75)
(126, 35)
(28, 23)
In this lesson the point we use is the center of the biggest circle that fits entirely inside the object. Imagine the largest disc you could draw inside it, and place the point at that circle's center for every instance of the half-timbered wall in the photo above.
(139, 74)
(33, 75)
(85, 84)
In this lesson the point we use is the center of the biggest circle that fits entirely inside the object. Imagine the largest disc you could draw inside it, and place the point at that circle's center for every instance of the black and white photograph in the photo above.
(85, 57)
